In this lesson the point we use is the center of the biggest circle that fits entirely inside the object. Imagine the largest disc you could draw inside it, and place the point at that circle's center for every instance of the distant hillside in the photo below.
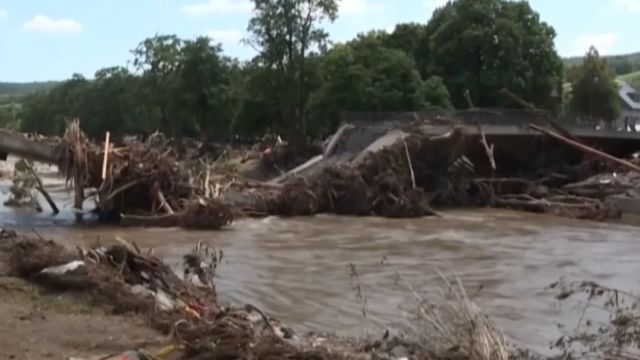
(17, 89)
(632, 79)
(621, 64)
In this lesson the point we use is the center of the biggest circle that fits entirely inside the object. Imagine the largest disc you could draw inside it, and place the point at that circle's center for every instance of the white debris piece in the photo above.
(63, 269)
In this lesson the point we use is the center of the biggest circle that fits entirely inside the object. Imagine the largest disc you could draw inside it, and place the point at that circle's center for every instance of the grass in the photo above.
(455, 328)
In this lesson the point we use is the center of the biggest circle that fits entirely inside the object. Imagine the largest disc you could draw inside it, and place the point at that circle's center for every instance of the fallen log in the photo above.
(165, 220)
(586, 148)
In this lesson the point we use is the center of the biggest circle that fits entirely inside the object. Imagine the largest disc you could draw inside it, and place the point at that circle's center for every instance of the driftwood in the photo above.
(586, 149)
(561, 205)
(413, 175)
(166, 220)
(162, 199)
(40, 187)
(488, 149)
(106, 156)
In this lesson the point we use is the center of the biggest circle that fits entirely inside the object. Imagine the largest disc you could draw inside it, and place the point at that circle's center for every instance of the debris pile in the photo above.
(401, 170)
(139, 183)
(390, 181)
(406, 170)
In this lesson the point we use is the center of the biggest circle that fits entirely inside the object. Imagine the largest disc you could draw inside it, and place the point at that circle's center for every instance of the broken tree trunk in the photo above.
(488, 149)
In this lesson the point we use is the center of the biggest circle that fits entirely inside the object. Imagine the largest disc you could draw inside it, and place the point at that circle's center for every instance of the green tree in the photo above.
(205, 82)
(113, 99)
(285, 32)
(158, 58)
(47, 112)
(482, 46)
(256, 109)
(594, 90)
(412, 39)
(366, 76)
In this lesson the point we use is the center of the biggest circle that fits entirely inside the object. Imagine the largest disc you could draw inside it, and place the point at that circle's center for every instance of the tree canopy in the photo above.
(594, 90)
(481, 46)
(299, 82)
(286, 32)
(363, 75)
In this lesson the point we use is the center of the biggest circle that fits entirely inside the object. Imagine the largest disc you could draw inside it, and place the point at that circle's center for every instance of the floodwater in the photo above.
(297, 270)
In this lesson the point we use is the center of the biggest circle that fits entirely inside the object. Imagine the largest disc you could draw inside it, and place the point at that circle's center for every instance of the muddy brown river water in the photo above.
(297, 269)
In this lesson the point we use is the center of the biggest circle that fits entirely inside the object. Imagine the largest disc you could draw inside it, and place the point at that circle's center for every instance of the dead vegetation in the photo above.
(454, 327)
(608, 325)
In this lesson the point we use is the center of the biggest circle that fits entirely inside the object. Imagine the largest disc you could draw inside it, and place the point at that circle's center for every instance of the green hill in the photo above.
(621, 64)
(632, 79)
(18, 89)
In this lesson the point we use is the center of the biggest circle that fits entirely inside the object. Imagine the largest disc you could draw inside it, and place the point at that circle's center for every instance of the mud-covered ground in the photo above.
(36, 325)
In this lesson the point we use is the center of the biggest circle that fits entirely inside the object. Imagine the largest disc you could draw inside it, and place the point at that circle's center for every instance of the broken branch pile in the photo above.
(137, 182)
(379, 182)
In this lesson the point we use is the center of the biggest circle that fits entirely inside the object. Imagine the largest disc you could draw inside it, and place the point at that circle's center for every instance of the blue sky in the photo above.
(43, 40)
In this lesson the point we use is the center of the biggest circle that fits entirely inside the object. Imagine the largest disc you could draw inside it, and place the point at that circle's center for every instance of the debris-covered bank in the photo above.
(124, 279)
(392, 169)
(128, 284)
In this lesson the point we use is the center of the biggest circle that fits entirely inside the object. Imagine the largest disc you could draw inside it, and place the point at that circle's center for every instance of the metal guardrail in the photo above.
(510, 117)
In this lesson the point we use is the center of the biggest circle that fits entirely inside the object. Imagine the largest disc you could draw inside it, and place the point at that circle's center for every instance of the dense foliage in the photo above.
(298, 84)
(594, 91)
(481, 46)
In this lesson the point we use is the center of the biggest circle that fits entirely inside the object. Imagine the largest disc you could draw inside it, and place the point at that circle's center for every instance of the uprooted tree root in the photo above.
(143, 182)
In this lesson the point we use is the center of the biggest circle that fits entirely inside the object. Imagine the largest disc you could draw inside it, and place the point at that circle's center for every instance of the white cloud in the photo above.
(42, 23)
(355, 7)
(218, 7)
(225, 36)
(3, 13)
(602, 42)
(628, 5)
